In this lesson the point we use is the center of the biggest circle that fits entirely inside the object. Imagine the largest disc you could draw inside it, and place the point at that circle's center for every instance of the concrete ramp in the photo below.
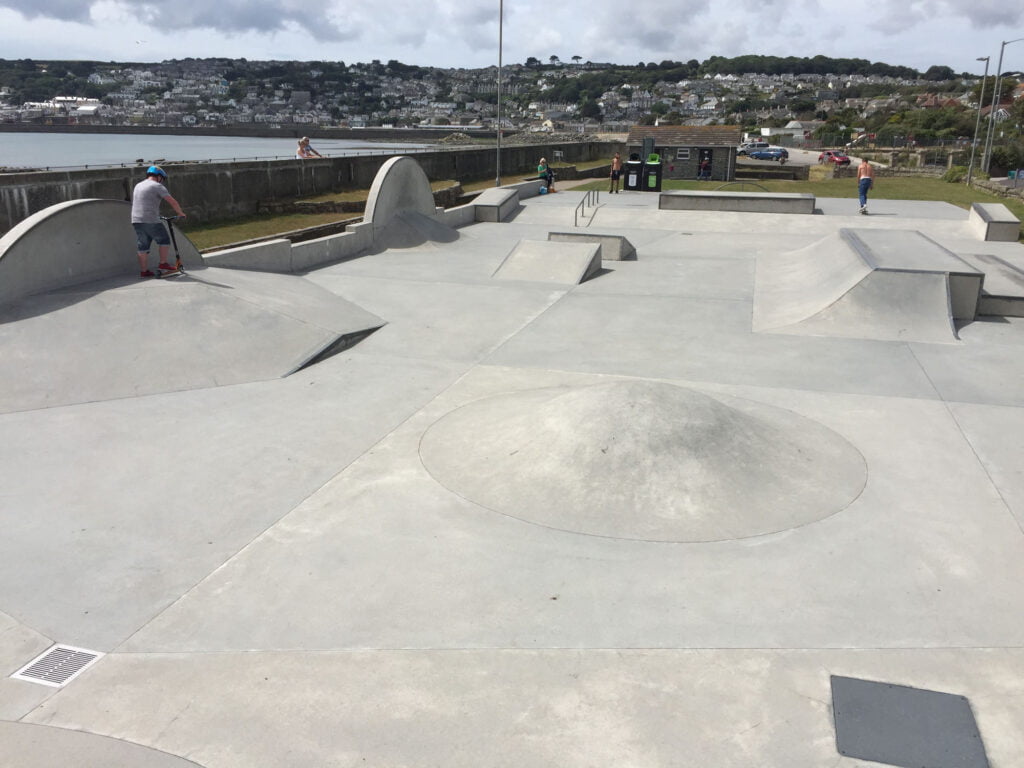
(412, 229)
(894, 285)
(73, 243)
(210, 327)
(545, 261)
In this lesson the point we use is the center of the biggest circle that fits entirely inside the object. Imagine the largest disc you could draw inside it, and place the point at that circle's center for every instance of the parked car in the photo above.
(769, 153)
(834, 156)
(751, 146)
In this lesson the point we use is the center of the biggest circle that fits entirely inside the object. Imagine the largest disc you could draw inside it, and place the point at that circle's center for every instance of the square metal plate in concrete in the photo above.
(904, 726)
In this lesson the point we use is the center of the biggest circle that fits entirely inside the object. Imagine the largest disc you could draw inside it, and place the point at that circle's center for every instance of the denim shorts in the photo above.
(146, 233)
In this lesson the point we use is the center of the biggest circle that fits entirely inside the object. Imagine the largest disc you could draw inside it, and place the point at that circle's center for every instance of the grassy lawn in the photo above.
(250, 228)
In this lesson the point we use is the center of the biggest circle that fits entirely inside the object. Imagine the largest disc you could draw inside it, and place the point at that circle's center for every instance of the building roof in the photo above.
(687, 135)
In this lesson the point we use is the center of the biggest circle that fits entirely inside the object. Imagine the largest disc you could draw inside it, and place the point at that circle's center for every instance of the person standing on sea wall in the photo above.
(146, 198)
(304, 150)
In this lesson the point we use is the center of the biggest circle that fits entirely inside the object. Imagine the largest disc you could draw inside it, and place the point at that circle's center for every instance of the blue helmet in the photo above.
(156, 170)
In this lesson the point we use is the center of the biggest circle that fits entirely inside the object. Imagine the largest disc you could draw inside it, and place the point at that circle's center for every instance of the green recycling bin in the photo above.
(652, 173)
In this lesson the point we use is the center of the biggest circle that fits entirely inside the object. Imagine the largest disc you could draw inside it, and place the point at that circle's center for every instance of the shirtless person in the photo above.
(865, 181)
(616, 173)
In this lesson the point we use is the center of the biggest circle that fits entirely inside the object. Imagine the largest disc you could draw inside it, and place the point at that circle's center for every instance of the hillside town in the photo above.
(557, 96)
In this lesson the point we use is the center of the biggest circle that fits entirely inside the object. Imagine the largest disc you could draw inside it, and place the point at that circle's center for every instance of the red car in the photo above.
(834, 156)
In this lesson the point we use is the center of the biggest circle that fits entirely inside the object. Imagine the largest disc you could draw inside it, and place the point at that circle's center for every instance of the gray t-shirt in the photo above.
(146, 198)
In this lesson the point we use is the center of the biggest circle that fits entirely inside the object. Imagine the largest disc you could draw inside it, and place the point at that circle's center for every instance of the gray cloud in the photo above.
(63, 10)
(228, 16)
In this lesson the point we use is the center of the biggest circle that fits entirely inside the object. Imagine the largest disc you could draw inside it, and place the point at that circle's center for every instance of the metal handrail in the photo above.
(591, 198)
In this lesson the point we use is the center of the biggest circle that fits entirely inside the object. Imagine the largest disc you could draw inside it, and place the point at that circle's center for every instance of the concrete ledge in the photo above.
(994, 222)
(73, 243)
(613, 247)
(267, 256)
(751, 202)
(495, 204)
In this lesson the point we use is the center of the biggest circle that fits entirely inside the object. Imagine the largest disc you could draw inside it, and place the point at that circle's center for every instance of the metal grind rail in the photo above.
(591, 199)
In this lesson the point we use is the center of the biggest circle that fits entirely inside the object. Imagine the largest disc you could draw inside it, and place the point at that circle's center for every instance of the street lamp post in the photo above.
(497, 162)
(977, 121)
(987, 158)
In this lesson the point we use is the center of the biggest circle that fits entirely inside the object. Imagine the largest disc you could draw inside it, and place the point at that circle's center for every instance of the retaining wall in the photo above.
(216, 191)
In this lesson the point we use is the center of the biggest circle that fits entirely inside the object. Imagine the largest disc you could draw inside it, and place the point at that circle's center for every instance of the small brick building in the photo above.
(684, 147)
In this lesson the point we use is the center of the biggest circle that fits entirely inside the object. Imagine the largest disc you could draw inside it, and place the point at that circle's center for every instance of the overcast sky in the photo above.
(464, 33)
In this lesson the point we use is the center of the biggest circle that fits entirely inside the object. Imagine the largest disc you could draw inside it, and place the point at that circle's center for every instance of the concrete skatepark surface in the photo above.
(519, 524)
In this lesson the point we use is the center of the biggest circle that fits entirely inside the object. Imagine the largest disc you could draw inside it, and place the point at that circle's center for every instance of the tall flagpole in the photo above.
(497, 163)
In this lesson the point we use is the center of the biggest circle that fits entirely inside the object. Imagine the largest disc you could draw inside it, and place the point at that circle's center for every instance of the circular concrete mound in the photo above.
(643, 460)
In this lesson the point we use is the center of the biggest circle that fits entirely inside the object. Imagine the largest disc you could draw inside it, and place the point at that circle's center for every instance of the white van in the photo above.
(750, 146)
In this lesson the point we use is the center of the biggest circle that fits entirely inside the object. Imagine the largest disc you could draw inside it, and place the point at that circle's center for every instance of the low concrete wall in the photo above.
(760, 202)
(217, 191)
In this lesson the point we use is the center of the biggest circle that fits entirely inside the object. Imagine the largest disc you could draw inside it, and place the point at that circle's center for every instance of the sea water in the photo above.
(78, 150)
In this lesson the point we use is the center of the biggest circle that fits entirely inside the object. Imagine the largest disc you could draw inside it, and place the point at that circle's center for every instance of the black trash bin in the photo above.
(633, 174)
(652, 174)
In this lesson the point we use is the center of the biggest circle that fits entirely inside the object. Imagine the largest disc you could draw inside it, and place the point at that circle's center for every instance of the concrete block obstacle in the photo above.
(994, 222)
(747, 202)
(544, 261)
(495, 204)
(877, 284)
(73, 243)
(613, 247)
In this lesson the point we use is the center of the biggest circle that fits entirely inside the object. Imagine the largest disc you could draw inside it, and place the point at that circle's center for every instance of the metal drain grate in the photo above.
(57, 666)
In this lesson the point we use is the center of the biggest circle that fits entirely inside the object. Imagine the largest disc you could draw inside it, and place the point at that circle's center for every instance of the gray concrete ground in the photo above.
(521, 524)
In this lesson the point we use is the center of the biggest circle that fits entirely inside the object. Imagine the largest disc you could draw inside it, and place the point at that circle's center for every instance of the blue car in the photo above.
(772, 153)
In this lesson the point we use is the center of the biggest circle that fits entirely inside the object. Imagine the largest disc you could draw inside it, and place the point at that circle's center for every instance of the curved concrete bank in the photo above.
(872, 284)
(70, 244)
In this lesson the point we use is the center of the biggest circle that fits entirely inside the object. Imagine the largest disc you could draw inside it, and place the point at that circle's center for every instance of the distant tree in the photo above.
(1005, 89)
(938, 73)
(553, 59)
(577, 59)
(532, 61)
(590, 108)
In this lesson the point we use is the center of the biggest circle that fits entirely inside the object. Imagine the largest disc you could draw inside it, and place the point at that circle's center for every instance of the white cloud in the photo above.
(464, 33)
